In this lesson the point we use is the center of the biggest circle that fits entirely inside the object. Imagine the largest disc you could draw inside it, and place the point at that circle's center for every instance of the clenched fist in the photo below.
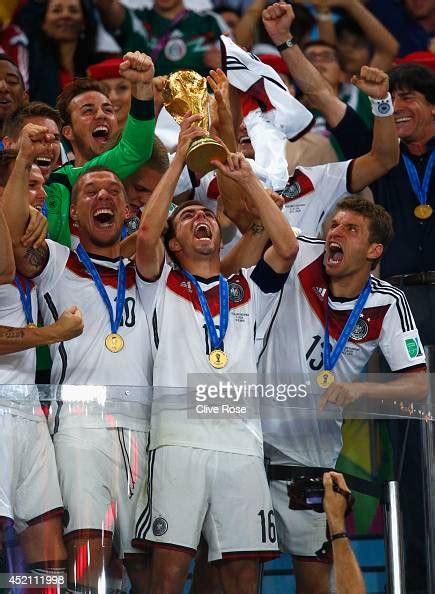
(137, 67)
(372, 81)
(277, 20)
(70, 324)
(34, 141)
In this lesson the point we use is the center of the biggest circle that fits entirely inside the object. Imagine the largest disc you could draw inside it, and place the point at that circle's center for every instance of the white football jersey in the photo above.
(311, 194)
(181, 346)
(85, 360)
(18, 369)
(293, 352)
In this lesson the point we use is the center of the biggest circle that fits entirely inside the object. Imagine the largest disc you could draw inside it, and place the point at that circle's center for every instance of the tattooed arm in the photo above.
(29, 260)
(69, 325)
(7, 262)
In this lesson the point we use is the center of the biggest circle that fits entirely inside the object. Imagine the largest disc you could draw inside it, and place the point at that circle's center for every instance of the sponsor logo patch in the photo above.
(413, 348)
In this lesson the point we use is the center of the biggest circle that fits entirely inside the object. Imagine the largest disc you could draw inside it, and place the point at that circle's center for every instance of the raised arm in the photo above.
(282, 253)
(150, 250)
(136, 144)
(7, 261)
(231, 192)
(68, 326)
(34, 141)
(277, 20)
(112, 13)
(385, 45)
(384, 153)
(244, 31)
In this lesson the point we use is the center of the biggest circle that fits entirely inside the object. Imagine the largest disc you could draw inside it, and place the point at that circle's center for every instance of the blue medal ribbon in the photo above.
(25, 296)
(420, 189)
(90, 267)
(330, 358)
(216, 341)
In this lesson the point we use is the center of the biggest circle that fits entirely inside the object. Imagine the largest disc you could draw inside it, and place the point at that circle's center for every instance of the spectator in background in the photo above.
(360, 37)
(173, 36)
(62, 43)
(326, 60)
(230, 15)
(412, 22)
(243, 25)
(12, 91)
(14, 43)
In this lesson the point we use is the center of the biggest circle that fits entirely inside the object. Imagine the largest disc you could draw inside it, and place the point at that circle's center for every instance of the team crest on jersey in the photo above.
(361, 330)
(292, 189)
(175, 49)
(160, 526)
(236, 292)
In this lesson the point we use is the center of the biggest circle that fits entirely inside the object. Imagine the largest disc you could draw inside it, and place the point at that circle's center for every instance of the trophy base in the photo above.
(201, 152)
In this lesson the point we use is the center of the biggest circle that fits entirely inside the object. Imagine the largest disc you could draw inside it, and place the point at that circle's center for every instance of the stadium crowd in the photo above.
(198, 198)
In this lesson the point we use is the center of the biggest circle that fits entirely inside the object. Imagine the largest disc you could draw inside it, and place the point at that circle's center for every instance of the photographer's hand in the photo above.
(334, 503)
(348, 576)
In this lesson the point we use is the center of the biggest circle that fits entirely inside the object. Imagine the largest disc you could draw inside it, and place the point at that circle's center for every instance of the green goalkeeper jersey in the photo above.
(132, 151)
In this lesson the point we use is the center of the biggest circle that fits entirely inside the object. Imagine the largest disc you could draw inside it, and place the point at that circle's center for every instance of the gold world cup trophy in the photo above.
(186, 90)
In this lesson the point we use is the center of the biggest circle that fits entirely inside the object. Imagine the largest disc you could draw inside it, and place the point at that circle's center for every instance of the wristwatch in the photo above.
(287, 44)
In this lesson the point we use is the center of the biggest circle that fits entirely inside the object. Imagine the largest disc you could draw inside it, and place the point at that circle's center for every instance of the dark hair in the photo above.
(75, 88)
(349, 25)
(95, 168)
(380, 221)
(86, 46)
(324, 44)
(6, 58)
(413, 77)
(170, 229)
(7, 158)
(227, 8)
(16, 121)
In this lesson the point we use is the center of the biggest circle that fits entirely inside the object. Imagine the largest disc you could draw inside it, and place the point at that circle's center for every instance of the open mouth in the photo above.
(244, 140)
(104, 217)
(101, 133)
(402, 120)
(335, 253)
(43, 162)
(202, 231)
(5, 102)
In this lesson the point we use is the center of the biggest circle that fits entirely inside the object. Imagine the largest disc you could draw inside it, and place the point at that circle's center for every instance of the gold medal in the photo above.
(218, 358)
(114, 342)
(31, 325)
(325, 378)
(423, 211)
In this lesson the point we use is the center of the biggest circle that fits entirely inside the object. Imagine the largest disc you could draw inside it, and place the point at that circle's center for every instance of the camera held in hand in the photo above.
(306, 492)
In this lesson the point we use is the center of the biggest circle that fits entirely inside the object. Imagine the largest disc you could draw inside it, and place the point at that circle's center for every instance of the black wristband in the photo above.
(287, 44)
(338, 535)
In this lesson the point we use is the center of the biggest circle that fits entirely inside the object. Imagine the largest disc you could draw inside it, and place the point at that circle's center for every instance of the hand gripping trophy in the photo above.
(186, 90)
